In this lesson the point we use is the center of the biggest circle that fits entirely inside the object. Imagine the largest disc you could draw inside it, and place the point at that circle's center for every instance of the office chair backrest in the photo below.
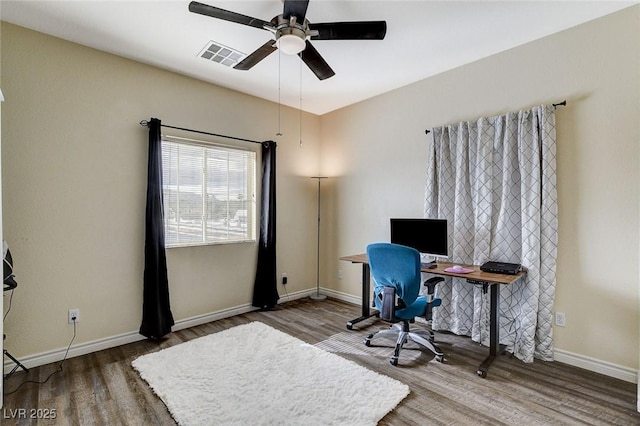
(397, 266)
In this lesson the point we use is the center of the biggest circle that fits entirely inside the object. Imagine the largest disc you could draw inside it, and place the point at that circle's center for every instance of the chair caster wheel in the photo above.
(482, 374)
(367, 342)
(393, 361)
(349, 326)
(439, 358)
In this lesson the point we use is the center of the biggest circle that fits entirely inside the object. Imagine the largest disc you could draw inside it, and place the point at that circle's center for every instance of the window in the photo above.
(209, 193)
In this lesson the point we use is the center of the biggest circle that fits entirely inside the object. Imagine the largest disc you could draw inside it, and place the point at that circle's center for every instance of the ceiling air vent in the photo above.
(221, 54)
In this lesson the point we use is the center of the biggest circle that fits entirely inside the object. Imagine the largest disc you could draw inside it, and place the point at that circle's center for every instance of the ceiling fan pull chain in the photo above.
(300, 109)
(279, 99)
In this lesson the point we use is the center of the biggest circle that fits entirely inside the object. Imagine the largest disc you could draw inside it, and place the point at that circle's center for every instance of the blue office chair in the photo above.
(396, 274)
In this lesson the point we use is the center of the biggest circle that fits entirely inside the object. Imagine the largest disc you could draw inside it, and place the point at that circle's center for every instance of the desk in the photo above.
(492, 280)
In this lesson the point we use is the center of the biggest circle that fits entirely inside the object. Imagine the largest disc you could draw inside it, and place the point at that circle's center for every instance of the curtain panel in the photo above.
(157, 318)
(494, 180)
(265, 287)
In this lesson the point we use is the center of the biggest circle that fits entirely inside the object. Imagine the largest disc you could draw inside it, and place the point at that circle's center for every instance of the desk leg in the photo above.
(367, 312)
(495, 348)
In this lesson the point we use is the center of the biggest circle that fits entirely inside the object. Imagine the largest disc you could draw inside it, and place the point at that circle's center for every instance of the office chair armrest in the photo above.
(387, 311)
(431, 284)
(432, 302)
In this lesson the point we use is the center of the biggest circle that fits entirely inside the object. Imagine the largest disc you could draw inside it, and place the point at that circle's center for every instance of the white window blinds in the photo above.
(209, 193)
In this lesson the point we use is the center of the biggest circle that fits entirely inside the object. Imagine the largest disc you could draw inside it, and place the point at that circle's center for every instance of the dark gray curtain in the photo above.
(156, 312)
(265, 287)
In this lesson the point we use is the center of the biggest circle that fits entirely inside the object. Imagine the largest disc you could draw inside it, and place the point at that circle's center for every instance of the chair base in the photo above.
(402, 333)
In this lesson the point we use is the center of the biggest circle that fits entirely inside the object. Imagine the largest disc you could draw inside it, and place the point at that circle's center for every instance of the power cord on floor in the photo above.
(9, 308)
(55, 372)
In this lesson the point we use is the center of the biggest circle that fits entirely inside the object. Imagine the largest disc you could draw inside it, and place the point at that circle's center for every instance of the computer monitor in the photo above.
(428, 236)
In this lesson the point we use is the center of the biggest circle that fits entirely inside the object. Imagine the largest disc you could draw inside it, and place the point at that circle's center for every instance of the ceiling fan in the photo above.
(293, 31)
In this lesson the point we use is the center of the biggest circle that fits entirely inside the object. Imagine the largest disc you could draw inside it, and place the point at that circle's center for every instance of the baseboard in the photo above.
(287, 297)
(342, 296)
(56, 355)
(597, 366)
(31, 361)
(327, 292)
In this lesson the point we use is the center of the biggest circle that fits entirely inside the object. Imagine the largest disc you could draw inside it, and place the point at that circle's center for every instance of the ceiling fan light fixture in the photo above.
(291, 41)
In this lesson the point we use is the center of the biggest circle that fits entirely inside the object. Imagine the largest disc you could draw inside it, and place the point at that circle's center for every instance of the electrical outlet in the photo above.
(74, 316)
(339, 274)
(561, 319)
(284, 278)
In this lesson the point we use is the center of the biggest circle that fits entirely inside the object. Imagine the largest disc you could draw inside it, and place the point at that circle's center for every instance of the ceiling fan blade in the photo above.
(297, 8)
(362, 30)
(258, 55)
(315, 62)
(215, 12)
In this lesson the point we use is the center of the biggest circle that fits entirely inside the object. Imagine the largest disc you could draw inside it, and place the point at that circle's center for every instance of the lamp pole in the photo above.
(317, 296)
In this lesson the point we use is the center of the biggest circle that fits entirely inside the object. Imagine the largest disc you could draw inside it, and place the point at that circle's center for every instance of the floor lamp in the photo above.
(317, 296)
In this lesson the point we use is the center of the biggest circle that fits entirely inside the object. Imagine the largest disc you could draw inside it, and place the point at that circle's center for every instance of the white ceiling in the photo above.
(423, 38)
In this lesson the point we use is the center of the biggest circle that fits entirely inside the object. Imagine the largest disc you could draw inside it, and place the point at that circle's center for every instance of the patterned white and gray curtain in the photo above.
(494, 180)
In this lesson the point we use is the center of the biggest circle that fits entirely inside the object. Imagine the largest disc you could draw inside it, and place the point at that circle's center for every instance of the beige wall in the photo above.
(74, 182)
(74, 165)
(378, 150)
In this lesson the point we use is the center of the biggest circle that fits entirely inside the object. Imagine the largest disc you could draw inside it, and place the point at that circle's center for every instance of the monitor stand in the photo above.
(427, 261)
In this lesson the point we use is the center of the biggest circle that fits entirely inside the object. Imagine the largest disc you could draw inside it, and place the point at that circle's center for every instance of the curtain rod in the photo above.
(145, 123)
(563, 103)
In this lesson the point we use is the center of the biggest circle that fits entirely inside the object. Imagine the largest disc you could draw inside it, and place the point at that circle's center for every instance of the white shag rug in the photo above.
(253, 374)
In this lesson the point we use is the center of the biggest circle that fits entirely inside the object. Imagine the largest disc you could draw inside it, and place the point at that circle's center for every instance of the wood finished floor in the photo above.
(103, 389)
